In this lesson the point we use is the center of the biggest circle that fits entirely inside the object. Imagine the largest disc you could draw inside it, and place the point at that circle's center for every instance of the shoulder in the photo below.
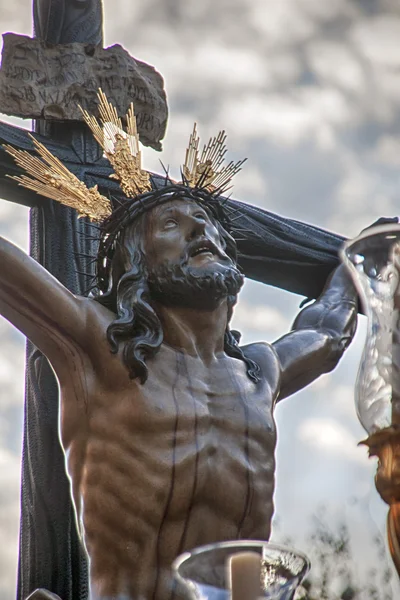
(267, 359)
(260, 351)
(95, 350)
(95, 320)
(96, 312)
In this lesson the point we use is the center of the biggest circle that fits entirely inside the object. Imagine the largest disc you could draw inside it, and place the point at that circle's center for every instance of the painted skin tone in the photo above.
(188, 457)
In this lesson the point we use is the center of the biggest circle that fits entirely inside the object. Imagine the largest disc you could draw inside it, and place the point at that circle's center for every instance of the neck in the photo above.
(196, 332)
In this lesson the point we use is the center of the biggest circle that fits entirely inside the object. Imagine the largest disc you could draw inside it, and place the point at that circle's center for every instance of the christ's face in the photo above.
(182, 233)
(186, 260)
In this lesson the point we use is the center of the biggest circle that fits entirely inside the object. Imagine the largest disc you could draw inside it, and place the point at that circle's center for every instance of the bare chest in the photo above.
(183, 402)
(185, 459)
(187, 421)
(205, 412)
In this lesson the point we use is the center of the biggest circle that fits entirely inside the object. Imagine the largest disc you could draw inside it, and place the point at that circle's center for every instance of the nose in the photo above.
(197, 228)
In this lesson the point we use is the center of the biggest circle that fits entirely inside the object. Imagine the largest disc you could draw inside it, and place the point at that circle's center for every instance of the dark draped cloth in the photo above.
(285, 253)
(274, 250)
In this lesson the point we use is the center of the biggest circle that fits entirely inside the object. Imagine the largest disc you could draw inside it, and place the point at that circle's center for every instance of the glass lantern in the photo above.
(373, 259)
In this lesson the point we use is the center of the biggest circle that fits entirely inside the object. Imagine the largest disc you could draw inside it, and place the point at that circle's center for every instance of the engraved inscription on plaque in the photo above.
(39, 80)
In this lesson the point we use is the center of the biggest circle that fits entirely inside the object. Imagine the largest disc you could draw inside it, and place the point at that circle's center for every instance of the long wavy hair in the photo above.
(137, 325)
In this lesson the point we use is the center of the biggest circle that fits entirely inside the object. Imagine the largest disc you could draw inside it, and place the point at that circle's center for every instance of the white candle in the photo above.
(244, 575)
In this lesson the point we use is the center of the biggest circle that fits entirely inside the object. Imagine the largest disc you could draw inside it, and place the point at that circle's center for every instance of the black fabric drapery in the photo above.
(285, 253)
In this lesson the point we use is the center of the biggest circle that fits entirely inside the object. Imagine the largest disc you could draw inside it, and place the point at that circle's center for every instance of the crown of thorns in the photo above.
(204, 179)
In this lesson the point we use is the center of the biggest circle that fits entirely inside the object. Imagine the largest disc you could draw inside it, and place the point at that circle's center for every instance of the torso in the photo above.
(183, 460)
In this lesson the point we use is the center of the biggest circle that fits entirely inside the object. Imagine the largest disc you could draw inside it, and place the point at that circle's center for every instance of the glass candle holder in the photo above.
(203, 573)
(372, 260)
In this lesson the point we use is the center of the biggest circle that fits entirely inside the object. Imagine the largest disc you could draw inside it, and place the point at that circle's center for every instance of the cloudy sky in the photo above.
(309, 91)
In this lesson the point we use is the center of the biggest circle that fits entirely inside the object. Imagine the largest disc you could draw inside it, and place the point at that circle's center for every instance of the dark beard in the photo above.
(190, 288)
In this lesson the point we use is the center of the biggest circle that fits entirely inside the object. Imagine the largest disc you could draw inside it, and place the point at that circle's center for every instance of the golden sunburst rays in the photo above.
(50, 178)
(47, 176)
(205, 170)
(120, 146)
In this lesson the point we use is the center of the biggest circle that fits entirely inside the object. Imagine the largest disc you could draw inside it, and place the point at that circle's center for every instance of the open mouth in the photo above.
(203, 248)
(202, 251)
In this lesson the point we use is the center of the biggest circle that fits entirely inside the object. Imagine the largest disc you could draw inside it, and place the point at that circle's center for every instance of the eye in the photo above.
(200, 216)
(169, 223)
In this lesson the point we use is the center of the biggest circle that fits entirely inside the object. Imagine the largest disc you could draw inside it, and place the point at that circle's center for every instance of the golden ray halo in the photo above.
(50, 178)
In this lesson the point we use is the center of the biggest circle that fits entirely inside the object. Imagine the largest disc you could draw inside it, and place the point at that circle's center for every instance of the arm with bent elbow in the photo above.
(320, 334)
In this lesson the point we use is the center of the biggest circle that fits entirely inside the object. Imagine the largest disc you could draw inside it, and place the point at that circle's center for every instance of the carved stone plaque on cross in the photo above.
(40, 80)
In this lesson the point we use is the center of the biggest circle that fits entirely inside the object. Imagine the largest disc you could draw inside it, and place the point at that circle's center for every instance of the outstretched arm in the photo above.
(320, 334)
(55, 320)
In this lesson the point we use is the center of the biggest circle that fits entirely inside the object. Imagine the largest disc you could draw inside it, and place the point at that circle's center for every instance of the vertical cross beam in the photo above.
(50, 553)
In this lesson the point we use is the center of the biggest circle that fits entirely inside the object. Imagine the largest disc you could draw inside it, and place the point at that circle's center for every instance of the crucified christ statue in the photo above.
(274, 250)
(166, 421)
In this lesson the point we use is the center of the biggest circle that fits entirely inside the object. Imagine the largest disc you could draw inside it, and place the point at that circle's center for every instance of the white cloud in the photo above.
(356, 186)
(283, 67)
(328, 435)
(9, 520)
(387, 90)
(227, 65)
(284, 23)
(335, 63)
(387, 151)
(15, 18)
(251, 184)
(11, 362)
(362, 195)
(280, 118)
(327, 11)
(326, 104)
(378, 40)
(265, 320)
(288, 119)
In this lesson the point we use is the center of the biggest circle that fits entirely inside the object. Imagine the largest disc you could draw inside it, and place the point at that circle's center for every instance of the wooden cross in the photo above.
(274, 250)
